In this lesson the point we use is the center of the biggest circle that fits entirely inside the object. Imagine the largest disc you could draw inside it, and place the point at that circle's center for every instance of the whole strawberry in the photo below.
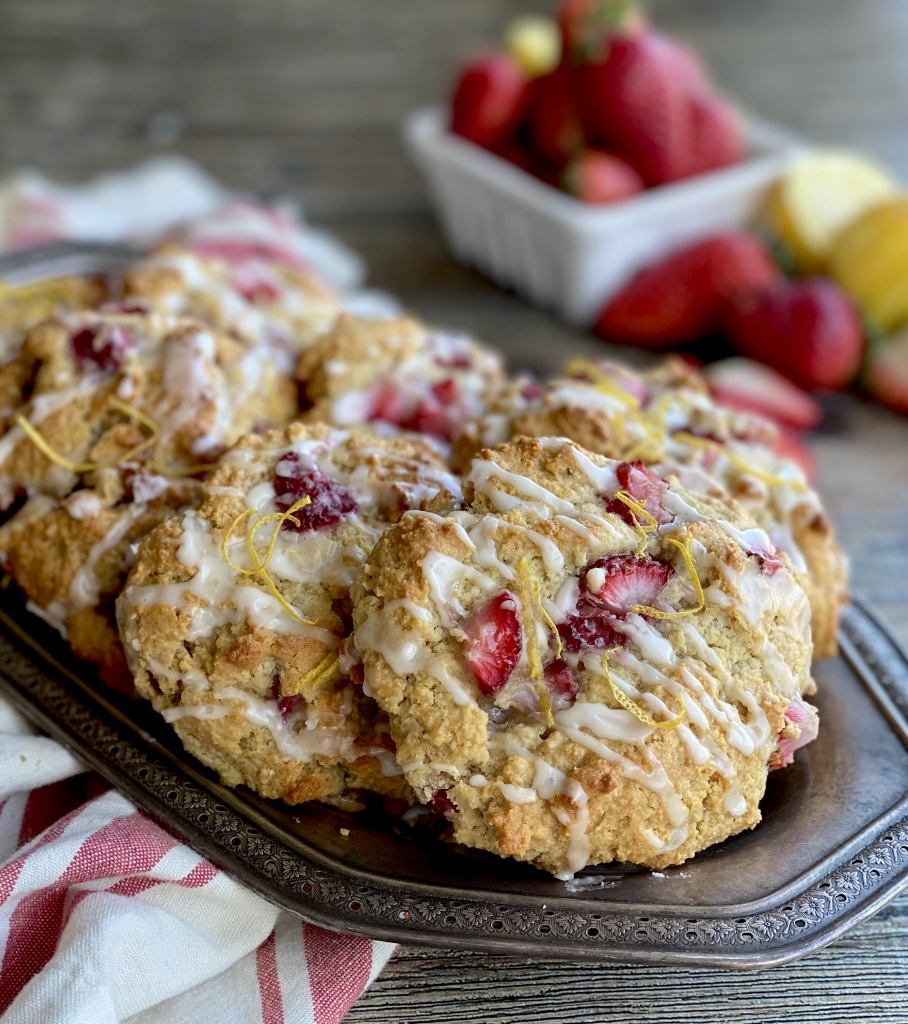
(808, 330)
(678, 299)
(632, 101)
(489, 100)
(716, 135)
(597, 178)
(552, 121)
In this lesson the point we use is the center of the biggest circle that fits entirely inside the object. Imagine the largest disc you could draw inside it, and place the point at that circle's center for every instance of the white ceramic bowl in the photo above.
(563, 254)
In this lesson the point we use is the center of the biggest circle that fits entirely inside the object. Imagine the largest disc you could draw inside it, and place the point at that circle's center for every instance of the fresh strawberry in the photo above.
(687, 68)
(553, 123)
(679, 299)
(516, 153)
(753, 388)
(297, 477)
(887, 372)
(716, 135)
(587, 25)
(489, 99)
(807, 329)
(494, 642)
(630, 102)
(619, 582)
(596, 177)
(562, 683)
(644, 487)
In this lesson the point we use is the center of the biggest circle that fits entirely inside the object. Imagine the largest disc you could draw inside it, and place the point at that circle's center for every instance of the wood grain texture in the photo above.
(304, 97)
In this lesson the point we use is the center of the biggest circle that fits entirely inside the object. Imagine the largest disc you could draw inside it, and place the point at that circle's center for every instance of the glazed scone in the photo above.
(71, 557)
(24, 306)
(99, 390)
(257, 301)
(586, 663)
(397, 374)
(667, 419)
(235, 618)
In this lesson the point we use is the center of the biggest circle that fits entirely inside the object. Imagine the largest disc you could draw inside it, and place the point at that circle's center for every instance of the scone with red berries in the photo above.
(24, 306)
(666, 418)
(92, 391)
(393, 375)
(587, 662)
(236, 617)
(259, 302)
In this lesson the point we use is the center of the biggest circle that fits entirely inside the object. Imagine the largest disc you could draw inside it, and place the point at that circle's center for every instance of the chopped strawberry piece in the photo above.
(442, 804)
(562, 683)
(623, 582)
(645, 488)
(494, 642)
(105, 345)
(436, 414)
(802, 727)
(288, 706)
(386, 404)
(297, 478)
(590, 628)
(531, 391)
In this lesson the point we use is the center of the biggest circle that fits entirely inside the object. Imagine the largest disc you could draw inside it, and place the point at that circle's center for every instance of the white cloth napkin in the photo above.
(105, 917)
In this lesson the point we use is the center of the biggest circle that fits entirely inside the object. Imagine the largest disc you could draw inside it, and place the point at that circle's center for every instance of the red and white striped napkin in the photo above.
(105, 917)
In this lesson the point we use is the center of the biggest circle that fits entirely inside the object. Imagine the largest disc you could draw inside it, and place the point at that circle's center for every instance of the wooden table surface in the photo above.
(304, 98)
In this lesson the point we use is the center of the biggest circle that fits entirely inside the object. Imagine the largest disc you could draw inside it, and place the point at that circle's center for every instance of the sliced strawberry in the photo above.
(645, 488)
(680, 298)
(562, 683)
(621, 582)
(105, 346)
(887, 372)
(808, 329)
(489, 99)
(596, 177)
(250, 282)
(754, 388)
(297, 477)
(553, 124)
(494, 642)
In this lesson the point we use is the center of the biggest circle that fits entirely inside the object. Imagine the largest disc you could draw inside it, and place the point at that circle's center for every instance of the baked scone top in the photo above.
(586, 663)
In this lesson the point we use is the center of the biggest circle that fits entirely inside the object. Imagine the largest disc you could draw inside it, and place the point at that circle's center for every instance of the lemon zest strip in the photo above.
(322, 672)
(635, 709)
(532, 641)
(644, 522)
(260, 565)
(601, 381)
(739, 462)
(656, 613)
(53, 455)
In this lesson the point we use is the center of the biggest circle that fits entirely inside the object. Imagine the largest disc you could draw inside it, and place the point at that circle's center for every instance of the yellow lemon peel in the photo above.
(529, 586)
(601, 381)
(622, 698)
(46, 449)
(260, 566)
(656, 613)
(322, 673)
(644, 522)
(739, 462)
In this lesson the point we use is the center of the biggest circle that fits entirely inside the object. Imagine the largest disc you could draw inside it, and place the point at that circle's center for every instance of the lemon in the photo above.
(535, 43)
(820, 195)
(869, 259)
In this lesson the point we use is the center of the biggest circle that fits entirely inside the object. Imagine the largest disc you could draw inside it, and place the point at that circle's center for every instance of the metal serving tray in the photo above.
(832, 848)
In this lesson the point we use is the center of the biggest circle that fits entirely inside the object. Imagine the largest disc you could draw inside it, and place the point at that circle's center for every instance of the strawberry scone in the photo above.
(236, 616)
(257, 301)
(92, 391)
(24, 306)
(666, 418)
(587, 662)
(394, 375)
